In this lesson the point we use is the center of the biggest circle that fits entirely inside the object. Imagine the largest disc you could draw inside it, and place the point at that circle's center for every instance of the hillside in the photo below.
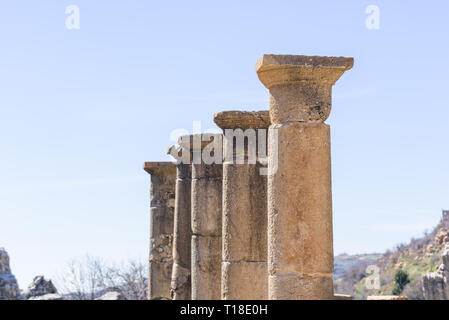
(416, 258)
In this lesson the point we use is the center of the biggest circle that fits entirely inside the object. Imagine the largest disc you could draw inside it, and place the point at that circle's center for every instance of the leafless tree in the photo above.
(90, 278)
(129, 279)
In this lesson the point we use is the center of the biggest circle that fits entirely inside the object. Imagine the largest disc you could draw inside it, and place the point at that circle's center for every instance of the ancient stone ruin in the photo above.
(9, 288)
(256, 222)
(163, 178)
(42, 289)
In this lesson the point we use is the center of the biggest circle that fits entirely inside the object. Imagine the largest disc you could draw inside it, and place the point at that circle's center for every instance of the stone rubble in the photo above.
(40, 287)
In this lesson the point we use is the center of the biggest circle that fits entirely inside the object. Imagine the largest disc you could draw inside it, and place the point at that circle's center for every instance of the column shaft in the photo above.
(163, 175)
(244, 266)
(206, 222)
(300, 212)
(181, 275)
(206, 231)
(244, 270)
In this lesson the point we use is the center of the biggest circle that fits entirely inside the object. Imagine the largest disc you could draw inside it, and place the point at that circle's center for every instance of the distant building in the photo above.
(445, 219)
(445, 215)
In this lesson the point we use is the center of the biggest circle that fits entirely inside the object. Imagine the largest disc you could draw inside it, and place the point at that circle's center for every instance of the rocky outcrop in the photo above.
(9, 288)
(436, 284)
(442, 236)
(40, 287)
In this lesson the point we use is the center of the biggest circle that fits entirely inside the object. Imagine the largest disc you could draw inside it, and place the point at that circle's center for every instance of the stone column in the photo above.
(181, 276)
(300, 243)
(206, 220)
(244, 266)
(163, 176)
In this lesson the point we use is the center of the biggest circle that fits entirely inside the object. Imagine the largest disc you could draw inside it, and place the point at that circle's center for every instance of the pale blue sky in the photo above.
(81, 110)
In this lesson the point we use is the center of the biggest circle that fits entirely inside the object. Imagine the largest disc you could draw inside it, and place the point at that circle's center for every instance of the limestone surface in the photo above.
(206, 226)
(300, 201)
(242, 119)
(274, 70)
(181, 275)
(244, 213)
(163, 179)
(206, 267)
(300, 287)
(300, 86)
(244, 280)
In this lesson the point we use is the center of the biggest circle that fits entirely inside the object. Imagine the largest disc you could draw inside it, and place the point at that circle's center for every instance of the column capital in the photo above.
(197, 142)
(176, 152)
(275, 70)
(242, 119)
(300, 86)
(160, 167)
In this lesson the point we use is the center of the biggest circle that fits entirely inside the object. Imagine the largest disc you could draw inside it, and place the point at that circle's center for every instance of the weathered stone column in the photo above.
(244, 266)
(206, 219)
(300, 244)
(181, 276)
(163, 176)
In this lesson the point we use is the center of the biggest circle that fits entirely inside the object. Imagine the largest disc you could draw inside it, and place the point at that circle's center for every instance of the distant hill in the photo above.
(344, 262)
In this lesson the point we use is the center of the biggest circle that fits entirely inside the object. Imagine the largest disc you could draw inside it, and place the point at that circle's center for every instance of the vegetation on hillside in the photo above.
(400, 270)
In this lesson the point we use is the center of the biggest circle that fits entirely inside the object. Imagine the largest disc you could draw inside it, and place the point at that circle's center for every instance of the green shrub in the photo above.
(400, 280)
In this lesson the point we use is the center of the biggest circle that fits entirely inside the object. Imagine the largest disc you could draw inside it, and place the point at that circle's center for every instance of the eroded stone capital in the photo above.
(300, 86)
(242, 119)
(197, 142)
(274, 70)
(160, 168)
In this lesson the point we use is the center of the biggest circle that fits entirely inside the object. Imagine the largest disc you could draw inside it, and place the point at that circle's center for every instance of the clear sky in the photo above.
(81, 110)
